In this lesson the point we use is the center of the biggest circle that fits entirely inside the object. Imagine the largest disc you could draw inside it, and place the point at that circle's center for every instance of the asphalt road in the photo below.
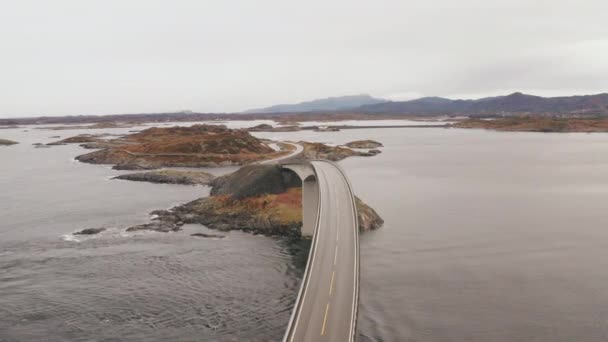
(327, 307)
(298, 149)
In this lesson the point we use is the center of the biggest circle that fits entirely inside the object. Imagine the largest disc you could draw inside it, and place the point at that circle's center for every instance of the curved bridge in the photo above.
(326, 307)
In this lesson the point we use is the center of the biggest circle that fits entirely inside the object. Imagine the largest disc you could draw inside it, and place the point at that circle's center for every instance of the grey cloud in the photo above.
(119, 56)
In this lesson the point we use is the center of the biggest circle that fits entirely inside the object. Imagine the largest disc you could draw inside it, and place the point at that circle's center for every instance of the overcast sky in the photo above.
(130, 56)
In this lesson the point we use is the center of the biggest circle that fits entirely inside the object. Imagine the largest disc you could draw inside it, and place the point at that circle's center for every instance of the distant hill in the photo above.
(328, 104)
(516, 103)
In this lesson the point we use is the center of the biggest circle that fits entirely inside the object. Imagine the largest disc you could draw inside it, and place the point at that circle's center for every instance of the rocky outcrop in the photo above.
(261, 199)
(538, 124)
(364, 144)
(195, 146)
(90, 231)
(90, 141)
(162, 226)
(4, 142)
(79, 139)
(274, 214)
(170, 177)
(212, 236)
(368, 218)
(333, 153)
(135, 165)
(255, 180)
(270, 128)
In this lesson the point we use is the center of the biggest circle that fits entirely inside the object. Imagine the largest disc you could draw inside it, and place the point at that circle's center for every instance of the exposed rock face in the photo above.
(261, 128)
(364, 144)
(90, 231)
(213, 236)
(170, 177)
(270, 128)
(262, 199)
(4, 142)
(195, 146)
(255, 180)
(79, 139)
(135, 165)
(367, 216)
(322, 151)
(162, 226)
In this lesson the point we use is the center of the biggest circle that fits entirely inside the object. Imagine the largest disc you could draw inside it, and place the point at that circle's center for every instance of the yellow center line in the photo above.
(338, 234)
(336, 255)
(331, 285)
(325, 320)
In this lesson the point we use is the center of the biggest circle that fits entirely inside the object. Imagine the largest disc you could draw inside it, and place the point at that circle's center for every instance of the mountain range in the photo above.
(327, 104)
(516, 103)
(361, 107)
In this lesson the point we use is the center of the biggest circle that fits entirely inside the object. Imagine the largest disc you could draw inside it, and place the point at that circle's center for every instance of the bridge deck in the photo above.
(327, 306)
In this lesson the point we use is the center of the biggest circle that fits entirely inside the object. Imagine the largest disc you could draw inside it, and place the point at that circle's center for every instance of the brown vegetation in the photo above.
(333, 153)
(169, 177)
(195, 146)
(538, 124)
(264, 199)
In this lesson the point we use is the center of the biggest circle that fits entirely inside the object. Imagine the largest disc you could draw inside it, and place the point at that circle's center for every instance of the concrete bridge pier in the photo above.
(310, 196)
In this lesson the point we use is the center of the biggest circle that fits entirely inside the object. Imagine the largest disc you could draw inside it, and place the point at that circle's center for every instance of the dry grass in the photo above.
(539, 124)
(282, 208)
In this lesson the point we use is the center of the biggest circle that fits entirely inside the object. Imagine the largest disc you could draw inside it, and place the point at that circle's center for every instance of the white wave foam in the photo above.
(69, 237)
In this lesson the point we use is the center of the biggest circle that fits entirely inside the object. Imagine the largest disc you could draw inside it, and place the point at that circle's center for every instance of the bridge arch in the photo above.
(310, 195)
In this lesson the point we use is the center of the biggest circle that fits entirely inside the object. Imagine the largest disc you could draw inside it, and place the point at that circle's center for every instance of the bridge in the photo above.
(326, 306)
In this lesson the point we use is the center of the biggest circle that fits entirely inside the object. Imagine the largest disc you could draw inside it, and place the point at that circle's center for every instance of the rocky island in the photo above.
(270, 128)
(4, 142)
(170, 177)
(333, 153)
(100, 125)
(364, 144)
(195, 146)
(538, 124)
(262, 199)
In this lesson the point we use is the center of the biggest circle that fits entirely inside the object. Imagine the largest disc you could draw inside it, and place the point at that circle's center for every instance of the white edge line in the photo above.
(309, 265)
(356, 241)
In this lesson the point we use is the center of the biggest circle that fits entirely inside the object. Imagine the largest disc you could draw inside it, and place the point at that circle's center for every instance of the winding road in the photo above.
(326, 307)
(297, 150)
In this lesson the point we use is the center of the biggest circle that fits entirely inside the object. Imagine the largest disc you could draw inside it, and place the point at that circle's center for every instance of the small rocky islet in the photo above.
(334, 153)
(5, 142)
(169, 177)
(364, 144)
(260, 199)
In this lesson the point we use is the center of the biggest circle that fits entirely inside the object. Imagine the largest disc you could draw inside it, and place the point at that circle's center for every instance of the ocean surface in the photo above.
(488, 236)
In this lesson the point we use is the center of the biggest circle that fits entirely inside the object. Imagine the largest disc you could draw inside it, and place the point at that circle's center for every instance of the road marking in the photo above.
(338, 233)
(311, 262)
(324, 320)
(336, 255)
(331, 285)
(337, 222)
